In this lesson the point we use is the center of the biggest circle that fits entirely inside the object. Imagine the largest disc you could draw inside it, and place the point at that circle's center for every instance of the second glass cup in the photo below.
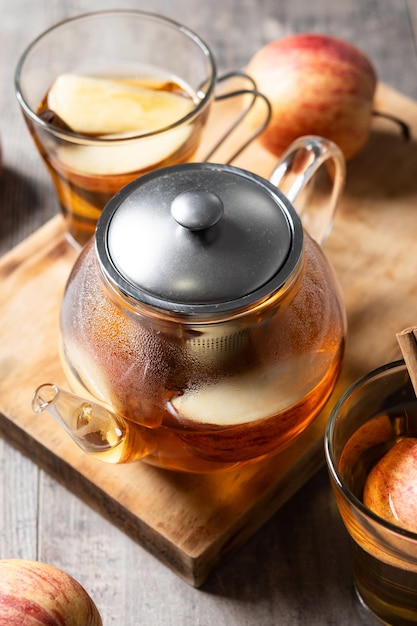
(371, 448)
(109, 96)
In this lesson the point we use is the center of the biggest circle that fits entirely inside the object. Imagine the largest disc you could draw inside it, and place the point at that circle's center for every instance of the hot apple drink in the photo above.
(108, 131)
(379, 466)
(204, 396)
(109, 95)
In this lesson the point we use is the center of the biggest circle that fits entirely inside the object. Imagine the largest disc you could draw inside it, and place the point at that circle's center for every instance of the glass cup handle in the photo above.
(239, 119)
(295, 169)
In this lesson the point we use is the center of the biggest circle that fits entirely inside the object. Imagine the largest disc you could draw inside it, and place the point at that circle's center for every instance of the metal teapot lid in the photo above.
(199, 238)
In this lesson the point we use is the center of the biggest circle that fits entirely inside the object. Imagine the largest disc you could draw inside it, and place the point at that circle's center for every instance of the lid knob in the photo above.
(197, 209)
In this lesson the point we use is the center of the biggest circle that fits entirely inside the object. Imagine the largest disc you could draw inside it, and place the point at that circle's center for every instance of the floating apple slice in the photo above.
(249, 396)
(113, 110)
(101, 106)
(117, 110)
(135, 155)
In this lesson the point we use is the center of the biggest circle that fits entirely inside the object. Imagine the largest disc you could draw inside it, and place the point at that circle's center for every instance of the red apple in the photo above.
(37, 594)
(391, 488)
(317, 85)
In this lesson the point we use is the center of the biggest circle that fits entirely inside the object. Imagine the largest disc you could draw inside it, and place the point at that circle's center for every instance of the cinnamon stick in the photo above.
(408, 344)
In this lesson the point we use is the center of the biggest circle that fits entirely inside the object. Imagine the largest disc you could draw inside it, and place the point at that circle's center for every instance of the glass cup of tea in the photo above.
(371, 453)
(109, 96)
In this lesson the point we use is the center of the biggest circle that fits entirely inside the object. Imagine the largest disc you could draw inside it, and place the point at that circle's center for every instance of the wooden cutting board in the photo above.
(191, 522)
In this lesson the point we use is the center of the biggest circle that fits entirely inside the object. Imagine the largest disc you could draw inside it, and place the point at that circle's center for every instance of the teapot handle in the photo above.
(295, 169)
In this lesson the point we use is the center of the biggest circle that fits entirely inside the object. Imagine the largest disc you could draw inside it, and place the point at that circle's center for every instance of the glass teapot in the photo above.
(202, 328)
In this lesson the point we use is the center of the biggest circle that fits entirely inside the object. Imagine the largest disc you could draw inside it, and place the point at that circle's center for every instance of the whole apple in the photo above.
(37, 594)
(391, 487)
(317, 85)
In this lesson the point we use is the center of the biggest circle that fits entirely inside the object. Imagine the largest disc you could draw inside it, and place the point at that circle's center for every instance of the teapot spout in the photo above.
(97, 430)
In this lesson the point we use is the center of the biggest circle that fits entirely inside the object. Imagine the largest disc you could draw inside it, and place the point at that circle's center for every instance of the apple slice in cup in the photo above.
(117, 109)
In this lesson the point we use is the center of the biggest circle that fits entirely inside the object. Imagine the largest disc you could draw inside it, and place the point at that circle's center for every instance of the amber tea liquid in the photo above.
(88, 172)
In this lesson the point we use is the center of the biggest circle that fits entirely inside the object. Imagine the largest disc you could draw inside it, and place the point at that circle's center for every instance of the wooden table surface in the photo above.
(297, 568)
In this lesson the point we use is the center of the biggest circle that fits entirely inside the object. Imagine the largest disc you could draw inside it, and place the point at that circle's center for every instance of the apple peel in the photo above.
(391, 487)
(103, 107)
(35, 594)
